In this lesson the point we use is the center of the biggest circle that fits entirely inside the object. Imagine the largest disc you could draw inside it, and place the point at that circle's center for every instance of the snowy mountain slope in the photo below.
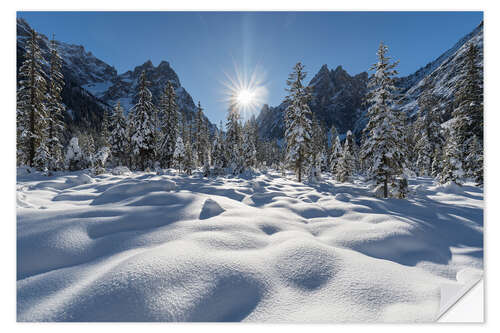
(144, 247)
(79, 68)
(79, 65)
(123, 88)
(442, 75)
(338, 97)
(92, 86)
(413, 79)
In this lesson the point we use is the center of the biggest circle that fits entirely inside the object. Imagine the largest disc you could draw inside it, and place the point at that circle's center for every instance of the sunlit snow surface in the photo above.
(147, 247)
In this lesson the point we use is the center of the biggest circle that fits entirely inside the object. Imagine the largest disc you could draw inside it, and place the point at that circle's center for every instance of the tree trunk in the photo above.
(385, 186)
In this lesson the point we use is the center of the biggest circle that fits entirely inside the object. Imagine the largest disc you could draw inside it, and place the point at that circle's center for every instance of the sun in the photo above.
(245, 91)
(245, 97)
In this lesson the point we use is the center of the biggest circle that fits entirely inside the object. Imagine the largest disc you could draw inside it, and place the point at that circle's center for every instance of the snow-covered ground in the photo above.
(147, 247)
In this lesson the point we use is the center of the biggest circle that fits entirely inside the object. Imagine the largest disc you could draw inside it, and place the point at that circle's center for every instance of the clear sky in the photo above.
(202, 46)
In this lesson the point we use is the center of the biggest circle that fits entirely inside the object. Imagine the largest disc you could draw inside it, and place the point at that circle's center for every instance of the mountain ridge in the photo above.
(338, 96)
(92, 86)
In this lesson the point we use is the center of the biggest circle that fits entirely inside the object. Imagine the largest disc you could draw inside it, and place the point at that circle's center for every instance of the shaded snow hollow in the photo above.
(143, 247)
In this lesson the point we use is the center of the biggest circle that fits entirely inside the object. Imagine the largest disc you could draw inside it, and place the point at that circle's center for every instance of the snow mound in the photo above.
(342, 197)
(210, 209)
(134, 249)
(306, 265)
(449, 187)
(82, 179)
(132, 190)
(120, 171)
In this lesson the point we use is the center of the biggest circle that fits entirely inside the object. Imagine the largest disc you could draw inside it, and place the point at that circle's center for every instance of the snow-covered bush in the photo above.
(121, 171)
(74, 158)
(100, 159)
(379, 191)
(401, 188)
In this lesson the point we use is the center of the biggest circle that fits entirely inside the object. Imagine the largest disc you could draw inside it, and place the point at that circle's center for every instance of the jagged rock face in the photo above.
(79, 66)
(93, 87)
(440, 76)
(338, 97)
(123, 88)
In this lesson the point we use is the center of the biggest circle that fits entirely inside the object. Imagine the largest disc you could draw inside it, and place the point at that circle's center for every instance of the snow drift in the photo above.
(144, 247)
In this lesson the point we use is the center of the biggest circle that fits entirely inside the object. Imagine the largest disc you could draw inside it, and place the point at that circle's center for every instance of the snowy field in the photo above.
(147, 247)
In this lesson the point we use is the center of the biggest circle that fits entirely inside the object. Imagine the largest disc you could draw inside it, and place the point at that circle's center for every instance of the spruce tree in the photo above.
(189, 157)
(474, 161)
(119, 139)
(423, 149)
(249, 150)
(179, 154)
(468, 113)
(346, 164)
(351, 145)
(198, 145)
(234, 141)
(335, 154)
(437, 162)
(74, 158)
(142, 117)
(32, 119)
(298, 130)
(317, 142)
(55, 109)
(105, 135)
(452, 165)
(218, 152)
(169, 125)
(88, 149)
(383, 151)
(428, 139)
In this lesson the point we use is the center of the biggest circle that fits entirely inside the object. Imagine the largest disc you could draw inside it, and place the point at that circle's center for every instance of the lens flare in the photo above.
(245, 97)
(246, 92)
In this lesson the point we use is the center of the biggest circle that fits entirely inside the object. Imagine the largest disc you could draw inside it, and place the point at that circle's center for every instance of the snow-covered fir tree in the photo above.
(298, 122)
(55, 109)
(346, 164)
(119, 138)
(468, 113)
(218, 152)
(143, 127)
(206, 144)
(383, 150)
(198, 144)
(316, 155)
(424, 152)
(105, 134)
(427, 132)
(474, 161)
(42, 156)
(248, 145)
(169, 124)
(88, 149)
(437, 162)
(352, 146)
(74, 159)
(335, 154)
(452, 170)
(31, 114)
(179, 154)
(189, 157)
(100, 159)
(234, 141)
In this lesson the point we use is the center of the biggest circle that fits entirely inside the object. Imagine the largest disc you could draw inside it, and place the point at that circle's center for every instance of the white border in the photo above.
(7, 171)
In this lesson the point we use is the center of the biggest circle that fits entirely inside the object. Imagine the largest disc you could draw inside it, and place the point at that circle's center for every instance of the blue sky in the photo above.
(202, 46)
